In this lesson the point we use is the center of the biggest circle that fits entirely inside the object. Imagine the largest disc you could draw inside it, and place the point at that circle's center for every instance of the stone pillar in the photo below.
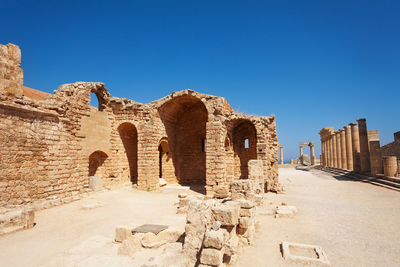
(343, 149)
(355, 141)
(325, 154)
(334, 150)
(390, 166)
(375, 155)
(364, 152)
(301, 152)
(312, 156)
(331, 151)
(281, 154)
(215, 164)
(148, 158)
(349, 149)
(338, 150)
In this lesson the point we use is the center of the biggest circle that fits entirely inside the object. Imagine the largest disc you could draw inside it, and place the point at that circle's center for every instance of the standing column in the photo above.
(355, 141)
(338, 150)
(325, 153)
(312, 156)
(335, 162)
(375, 155)
(281, 154)
(364, 151)
(343, 149)
(349, 149)
(301, 154)
(331, 151)
(321, 159)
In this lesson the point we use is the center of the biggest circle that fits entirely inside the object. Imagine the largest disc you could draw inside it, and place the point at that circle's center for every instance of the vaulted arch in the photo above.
(185, 119)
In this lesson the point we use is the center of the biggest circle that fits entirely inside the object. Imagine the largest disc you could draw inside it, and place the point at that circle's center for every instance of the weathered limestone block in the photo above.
(122, 233)
(246, 204)
(169, 235)
(245, 222)
(248, 232)
(96, 183)
(131, 245)
(211, 256)
(227, 215)
(198, 219)
(247, 212)
(221, 191)
(215, 239)
(231, 246)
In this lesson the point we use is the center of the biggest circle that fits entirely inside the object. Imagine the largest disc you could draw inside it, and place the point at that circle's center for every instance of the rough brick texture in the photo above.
(50, 146)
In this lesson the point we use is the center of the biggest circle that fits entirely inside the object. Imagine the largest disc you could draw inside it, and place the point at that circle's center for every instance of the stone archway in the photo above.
(128, 134)
(244, 146)
(185, 119)
(166, 166)
(96, 164)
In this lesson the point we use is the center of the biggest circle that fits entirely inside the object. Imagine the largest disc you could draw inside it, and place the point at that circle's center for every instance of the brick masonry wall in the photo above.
(49, 146)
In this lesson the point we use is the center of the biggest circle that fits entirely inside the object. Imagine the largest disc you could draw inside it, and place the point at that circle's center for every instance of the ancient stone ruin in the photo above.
(357, 149)
(52, 143)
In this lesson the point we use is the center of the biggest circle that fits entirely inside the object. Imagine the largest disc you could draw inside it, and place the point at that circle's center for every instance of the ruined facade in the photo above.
(51, 143)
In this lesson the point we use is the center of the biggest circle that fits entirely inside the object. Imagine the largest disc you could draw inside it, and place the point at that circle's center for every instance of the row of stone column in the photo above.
(352, 148)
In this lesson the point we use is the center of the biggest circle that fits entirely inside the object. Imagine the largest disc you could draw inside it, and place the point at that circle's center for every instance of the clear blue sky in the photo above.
(311, 63)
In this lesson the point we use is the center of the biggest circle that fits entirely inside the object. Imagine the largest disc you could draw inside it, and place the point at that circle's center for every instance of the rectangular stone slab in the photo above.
(149, 228)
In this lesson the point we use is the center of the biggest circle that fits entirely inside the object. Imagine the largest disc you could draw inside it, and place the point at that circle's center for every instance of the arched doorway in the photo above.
(128, 134)
(166, 166)
(244, 146)
(185, 119)
(96, 164)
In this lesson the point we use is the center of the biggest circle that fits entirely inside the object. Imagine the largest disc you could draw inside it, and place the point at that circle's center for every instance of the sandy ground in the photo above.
(69, 235)
(357, 224)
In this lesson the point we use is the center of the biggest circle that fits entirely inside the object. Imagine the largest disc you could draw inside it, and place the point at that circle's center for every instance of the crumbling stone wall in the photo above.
(11, 75)
(47, 143)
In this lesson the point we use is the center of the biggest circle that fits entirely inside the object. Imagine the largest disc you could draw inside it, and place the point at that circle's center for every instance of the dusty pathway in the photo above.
(71, 236)
(357, 224)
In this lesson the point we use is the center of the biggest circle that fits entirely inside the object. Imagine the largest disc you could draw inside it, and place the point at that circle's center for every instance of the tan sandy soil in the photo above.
(69, 235)
(357, 224)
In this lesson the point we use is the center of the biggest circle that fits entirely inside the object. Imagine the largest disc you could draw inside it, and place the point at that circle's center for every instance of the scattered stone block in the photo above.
(221, 192)
(245, 222)
(246, 204)
(227, 215)
(232, 244)
(215, 239)
(122, 233)
(211, 256)
(285, 211)
(131, 245)
(96, 183)
(304, 254)
(170, 235)
(149, 228)
(247, 212)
